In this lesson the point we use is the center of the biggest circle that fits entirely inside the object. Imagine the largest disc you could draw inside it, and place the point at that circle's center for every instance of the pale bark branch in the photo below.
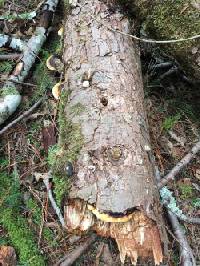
(12, 42)
(25, 114)
(186, 253)
(4, 57)
(52, 200)
(180, 165)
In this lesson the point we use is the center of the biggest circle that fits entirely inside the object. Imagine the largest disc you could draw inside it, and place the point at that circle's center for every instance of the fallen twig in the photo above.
(194, 37)
(186, 254)
(10, 97)
(70, 258)
(180, 165)
(9, 56)
(22, 116)
(53, 202)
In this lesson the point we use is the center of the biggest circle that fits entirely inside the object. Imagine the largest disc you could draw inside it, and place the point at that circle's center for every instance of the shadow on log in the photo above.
(104, 135)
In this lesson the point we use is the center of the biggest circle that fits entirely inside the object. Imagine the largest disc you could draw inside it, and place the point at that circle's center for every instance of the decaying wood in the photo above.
(113, 190)
(7, 256)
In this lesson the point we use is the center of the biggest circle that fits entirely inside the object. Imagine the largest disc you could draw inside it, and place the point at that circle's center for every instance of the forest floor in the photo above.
(29, 224)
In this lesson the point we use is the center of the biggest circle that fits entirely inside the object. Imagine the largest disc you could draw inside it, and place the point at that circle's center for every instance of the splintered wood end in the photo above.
(137, 237)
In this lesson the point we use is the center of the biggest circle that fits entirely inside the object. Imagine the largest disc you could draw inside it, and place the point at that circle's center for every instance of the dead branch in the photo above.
(180, 165)
(12, 42)
(186, 254)
(11, 98)
(70, 258)
(4, 57)
(25, 114)
(53, 202)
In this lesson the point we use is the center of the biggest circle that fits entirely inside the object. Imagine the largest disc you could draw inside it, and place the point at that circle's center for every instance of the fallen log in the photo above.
(104, 136)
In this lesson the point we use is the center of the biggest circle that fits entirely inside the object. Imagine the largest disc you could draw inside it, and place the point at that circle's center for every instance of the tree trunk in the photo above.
(104, 135)
(165, 20)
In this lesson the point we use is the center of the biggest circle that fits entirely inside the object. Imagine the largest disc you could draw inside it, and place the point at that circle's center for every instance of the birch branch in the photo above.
(180, 165)
(12, 42)
(10, 97)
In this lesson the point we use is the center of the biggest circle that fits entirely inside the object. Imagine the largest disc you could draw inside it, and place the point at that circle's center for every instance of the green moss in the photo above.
(68, 148)
(1, 3)
(6, 67)
(174, 20)
(77, 109)
(169, 122)
(186, 191)
(19, 234)
(21, 238)
(36, 217)
(9, 91)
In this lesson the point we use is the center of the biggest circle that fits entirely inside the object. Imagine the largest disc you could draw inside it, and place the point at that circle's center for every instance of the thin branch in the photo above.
(4, 57)
(180, 165)
(70, 258)
(186, 253)
(194, 37)
(53, 202)
(22, 116)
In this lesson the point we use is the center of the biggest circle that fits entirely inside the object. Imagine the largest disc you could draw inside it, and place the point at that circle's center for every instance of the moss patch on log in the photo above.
(68, 148)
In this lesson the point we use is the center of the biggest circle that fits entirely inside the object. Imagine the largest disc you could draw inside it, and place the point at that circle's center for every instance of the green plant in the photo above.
(196, 203)
(5, 66)
(186, 191)
(1, 3)
(36, 217)
(169, 122)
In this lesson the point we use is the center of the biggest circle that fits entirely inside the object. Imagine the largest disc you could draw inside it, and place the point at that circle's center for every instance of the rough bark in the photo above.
(174, 20)
(104, 134)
